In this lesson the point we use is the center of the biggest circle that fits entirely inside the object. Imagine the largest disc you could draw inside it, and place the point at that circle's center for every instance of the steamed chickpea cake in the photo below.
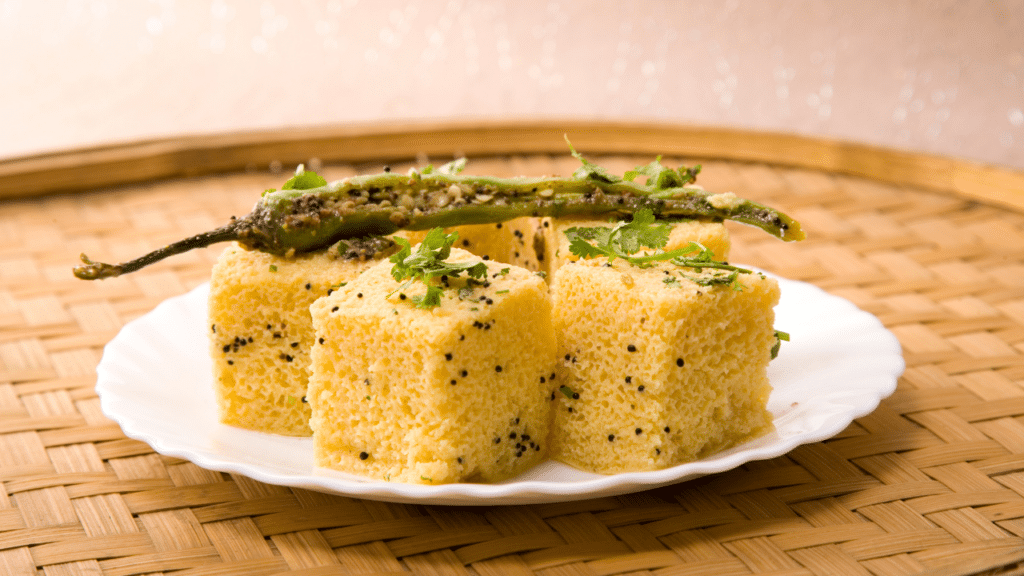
(655, 368)
(261, 331)
(455, 392)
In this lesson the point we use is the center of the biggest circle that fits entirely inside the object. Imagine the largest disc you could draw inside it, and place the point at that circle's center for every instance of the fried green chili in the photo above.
(295, 220)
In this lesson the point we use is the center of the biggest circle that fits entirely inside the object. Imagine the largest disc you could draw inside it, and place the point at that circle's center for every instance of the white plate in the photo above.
(155, 381)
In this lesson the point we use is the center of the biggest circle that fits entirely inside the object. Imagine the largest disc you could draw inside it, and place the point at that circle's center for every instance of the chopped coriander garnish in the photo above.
(502, 292)
(589, 170)
(706, 259)
(566, 391)
(428, 262)
(273, 268)
(304, 180)
(780, 336)
(453, 167)
(625, 239)
(661, 177)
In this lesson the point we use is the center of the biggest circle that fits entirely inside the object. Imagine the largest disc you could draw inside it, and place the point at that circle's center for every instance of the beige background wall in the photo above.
(940, 77)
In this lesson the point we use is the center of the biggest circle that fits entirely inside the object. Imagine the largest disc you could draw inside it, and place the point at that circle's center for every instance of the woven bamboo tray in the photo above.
(931, 482)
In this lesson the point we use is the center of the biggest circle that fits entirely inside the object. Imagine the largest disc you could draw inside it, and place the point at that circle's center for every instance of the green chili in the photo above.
(295, 221)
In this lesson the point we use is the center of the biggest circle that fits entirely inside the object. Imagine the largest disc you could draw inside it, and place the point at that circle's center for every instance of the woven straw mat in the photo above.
(931, 482)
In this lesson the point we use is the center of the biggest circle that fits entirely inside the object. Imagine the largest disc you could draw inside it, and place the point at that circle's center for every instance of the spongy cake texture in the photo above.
(712, 235)
(657, 370)
(261, 334)
(452, 393)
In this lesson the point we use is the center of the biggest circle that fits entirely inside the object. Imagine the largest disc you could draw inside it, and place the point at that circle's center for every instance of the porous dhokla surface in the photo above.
(657, 369)
(453, 393)
(511, 242)
(261, 334)
(712, 235)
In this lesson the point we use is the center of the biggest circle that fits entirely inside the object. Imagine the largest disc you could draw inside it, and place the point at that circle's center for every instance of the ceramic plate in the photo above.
(155, 381)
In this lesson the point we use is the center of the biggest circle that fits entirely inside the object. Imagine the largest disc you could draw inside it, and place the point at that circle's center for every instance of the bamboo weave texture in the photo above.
(931, 482)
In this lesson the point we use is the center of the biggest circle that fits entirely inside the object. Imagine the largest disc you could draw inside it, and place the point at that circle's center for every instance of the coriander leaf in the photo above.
(429, 261)
(661, 177)
(658, 176)
(584, 249)
(729, 279)
(589, 170)
(400, 271)
(430, 299)
(628, 238)
(642, 231)
(623, 240)
(304, 180)
(599, 234)
(689, 173)
(780, 336)
(453, 167)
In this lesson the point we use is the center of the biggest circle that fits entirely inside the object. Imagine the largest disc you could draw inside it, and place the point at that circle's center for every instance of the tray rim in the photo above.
(118, 164)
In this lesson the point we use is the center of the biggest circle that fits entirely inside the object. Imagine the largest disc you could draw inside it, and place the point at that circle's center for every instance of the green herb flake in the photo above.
(566, 391)
(304, 180)
(660, 177)
(273, 268)
(504, 271)
(502, 292)
(625, 239)
(453, 167)
(429, 262)
(780, 337)
(589, 170)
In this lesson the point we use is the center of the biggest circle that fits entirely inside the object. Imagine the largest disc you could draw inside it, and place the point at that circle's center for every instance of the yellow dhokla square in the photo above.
(712, 235)
(657, 370)
(261, 334)
(453, 393)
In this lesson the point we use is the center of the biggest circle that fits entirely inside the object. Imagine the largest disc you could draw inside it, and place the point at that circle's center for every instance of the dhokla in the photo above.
(657, 369)
(512, 242)
(712, 235)
(261, 334)
(456, 392)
